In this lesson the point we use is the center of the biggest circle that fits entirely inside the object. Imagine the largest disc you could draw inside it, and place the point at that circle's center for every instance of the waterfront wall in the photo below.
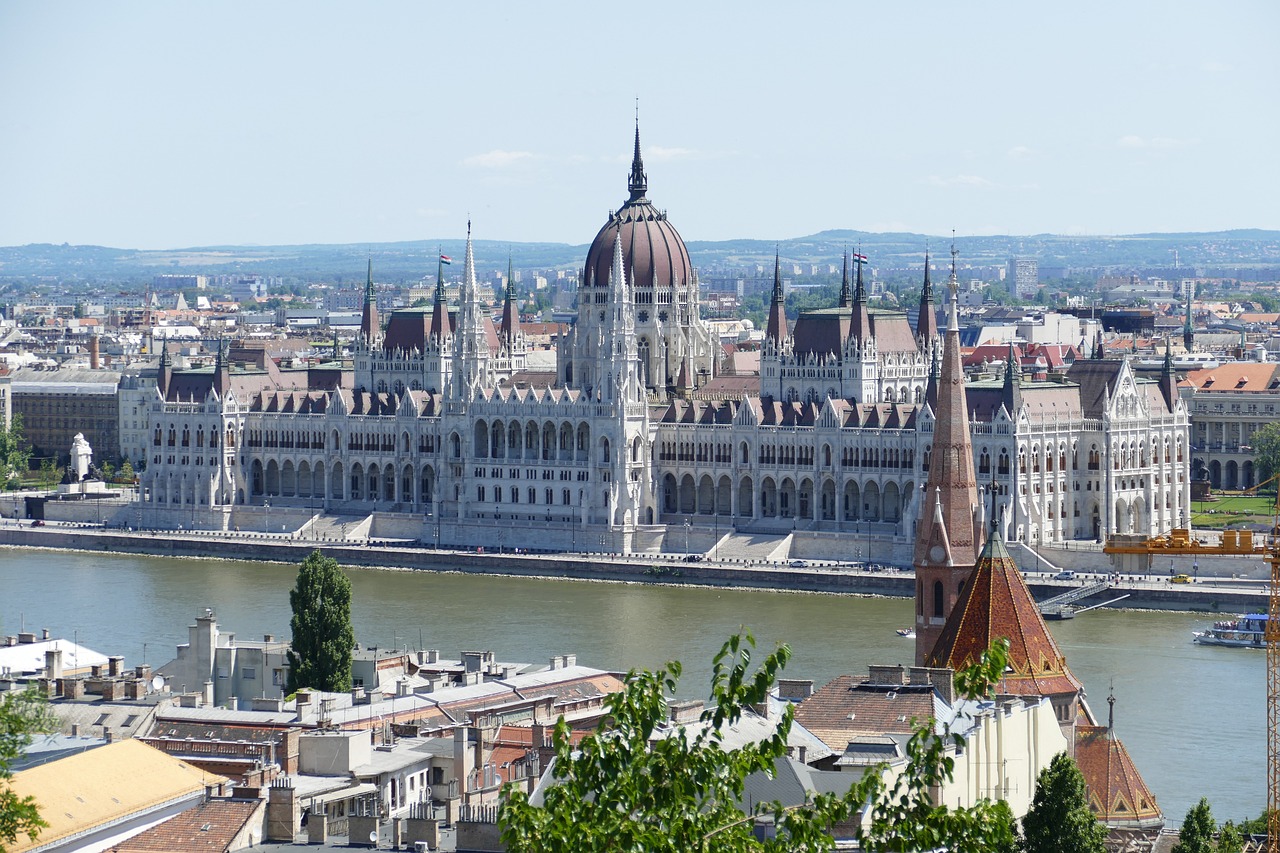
(612, 567)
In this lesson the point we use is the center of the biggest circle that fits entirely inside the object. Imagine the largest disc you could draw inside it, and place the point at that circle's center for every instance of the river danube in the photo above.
(1192, 717)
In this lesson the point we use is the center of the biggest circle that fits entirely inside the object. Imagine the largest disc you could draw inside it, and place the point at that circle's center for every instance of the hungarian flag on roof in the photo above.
(861, 259)
(445, 259)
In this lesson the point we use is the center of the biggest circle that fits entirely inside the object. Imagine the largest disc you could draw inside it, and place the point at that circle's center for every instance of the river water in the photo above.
(1192, 717)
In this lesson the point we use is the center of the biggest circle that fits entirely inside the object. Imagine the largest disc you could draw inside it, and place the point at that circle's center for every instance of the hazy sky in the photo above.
(159, 125)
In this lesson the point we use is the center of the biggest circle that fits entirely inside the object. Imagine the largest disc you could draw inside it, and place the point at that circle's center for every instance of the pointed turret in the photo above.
(944, 562)
(846, 296)
(221, 374)
(470, 340)
(1168, 380)
(860, 324)
(164, 372)
(1188, 330)
(996, 604)
(510, 314)
(931, 387)
(927, 321)
(638, 182)
(776, 330)
(369, 325)
(1011, 393)
(440, 310)
(683, 382)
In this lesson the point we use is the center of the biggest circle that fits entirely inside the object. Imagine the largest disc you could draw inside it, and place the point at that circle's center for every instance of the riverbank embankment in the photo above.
(1214, 595)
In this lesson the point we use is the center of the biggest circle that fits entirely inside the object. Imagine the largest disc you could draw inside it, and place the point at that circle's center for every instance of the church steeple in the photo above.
(776, 330)
(221, 375)
(638, 182)
(470, 342)
(846, 298)
(947, 547)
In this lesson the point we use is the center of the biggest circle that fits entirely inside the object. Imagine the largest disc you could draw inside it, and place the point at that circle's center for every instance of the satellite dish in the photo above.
(373, 836)
(157, 683)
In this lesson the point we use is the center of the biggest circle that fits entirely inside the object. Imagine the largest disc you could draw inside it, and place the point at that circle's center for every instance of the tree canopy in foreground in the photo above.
(320, 655)
(626, 788)
(22, 715)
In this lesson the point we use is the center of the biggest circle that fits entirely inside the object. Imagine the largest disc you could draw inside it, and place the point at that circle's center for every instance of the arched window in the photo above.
(937, 599)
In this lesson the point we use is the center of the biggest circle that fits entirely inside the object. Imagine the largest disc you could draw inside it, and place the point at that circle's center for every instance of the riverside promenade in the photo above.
(1155, 592)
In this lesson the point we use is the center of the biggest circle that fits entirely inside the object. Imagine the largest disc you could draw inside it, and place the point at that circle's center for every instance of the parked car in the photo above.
(1180, 579)
(693, 558)
(1065, 576)
(798, 564)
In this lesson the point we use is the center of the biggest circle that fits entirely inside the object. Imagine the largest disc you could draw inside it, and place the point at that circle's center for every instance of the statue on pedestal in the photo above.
(81, 459)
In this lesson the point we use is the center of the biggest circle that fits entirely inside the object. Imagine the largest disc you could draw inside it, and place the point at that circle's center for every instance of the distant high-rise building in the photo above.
(1023, 277)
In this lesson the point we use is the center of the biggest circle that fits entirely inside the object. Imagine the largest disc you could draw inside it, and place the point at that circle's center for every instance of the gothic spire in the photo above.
(1168, 381)
(942, 561)
(1011, 394)
(510, 313)
(860, 327)
(927, 321)
(1188, 330)
(440, 312)
(776, 330)
(638, 182)
(846, 299)
(369, 324)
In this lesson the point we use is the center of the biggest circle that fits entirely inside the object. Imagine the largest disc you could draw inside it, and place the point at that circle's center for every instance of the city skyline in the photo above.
(155, 126)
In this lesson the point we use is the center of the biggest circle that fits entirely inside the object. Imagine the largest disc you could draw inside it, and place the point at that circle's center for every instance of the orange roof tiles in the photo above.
(996, 604)
(1236, 378)
(1118, 796)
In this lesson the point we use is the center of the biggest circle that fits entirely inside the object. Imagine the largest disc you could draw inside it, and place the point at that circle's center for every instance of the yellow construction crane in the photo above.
(1237, 543)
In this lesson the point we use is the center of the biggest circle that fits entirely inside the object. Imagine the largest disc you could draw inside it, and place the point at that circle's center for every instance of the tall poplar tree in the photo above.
(1198, 827)
(323, 638)
(1059, 820)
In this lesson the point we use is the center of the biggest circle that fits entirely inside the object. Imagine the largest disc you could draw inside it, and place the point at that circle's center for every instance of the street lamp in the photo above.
(266, 527)
(686, 536)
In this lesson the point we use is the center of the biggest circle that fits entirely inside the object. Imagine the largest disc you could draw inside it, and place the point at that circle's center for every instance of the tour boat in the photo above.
(909, 633)
(1247, 631)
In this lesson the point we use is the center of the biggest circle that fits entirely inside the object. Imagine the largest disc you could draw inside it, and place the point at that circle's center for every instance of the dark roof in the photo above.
(211, 826)
(1095, 376)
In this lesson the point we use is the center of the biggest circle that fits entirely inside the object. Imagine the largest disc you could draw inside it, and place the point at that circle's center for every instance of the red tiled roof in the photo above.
(210, 826)
(850, 707)
(1118, 796)
(996, 604)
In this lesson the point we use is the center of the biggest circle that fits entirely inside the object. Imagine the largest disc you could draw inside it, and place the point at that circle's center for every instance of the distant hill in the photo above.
(404, 262)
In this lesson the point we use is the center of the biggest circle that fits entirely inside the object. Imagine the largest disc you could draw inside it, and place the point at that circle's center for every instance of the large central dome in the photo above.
(652, 251)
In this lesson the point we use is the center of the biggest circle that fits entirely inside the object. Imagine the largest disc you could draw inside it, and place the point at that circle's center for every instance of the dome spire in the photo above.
(846, 300)
(638, 183)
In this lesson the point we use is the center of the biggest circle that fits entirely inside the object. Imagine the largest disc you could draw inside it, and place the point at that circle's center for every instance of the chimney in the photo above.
(887, 675)
(108, 734)
(357, 696)
(75, 730)
(53, 664)
(73, 688)
(685, 711)
(115, 666)
(143, 671)
(795, 689)
(44, 634)
(96, 670)
(26, 637)
(94, 360)
(268, 638)
(208, 693)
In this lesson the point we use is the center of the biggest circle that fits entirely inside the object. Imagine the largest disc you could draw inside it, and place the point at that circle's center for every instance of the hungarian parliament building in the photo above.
(442, 431)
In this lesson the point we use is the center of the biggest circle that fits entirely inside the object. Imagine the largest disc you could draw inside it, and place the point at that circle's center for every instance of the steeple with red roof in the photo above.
(949, 533)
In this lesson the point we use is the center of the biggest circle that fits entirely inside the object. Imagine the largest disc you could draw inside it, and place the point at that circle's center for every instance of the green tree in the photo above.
(15, 455)
(126, 472)
(625, 787)
(1266, 450)
(1196, 835)
(22, 715)
(320, 656)
(1059, 820)
(1230, 839)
